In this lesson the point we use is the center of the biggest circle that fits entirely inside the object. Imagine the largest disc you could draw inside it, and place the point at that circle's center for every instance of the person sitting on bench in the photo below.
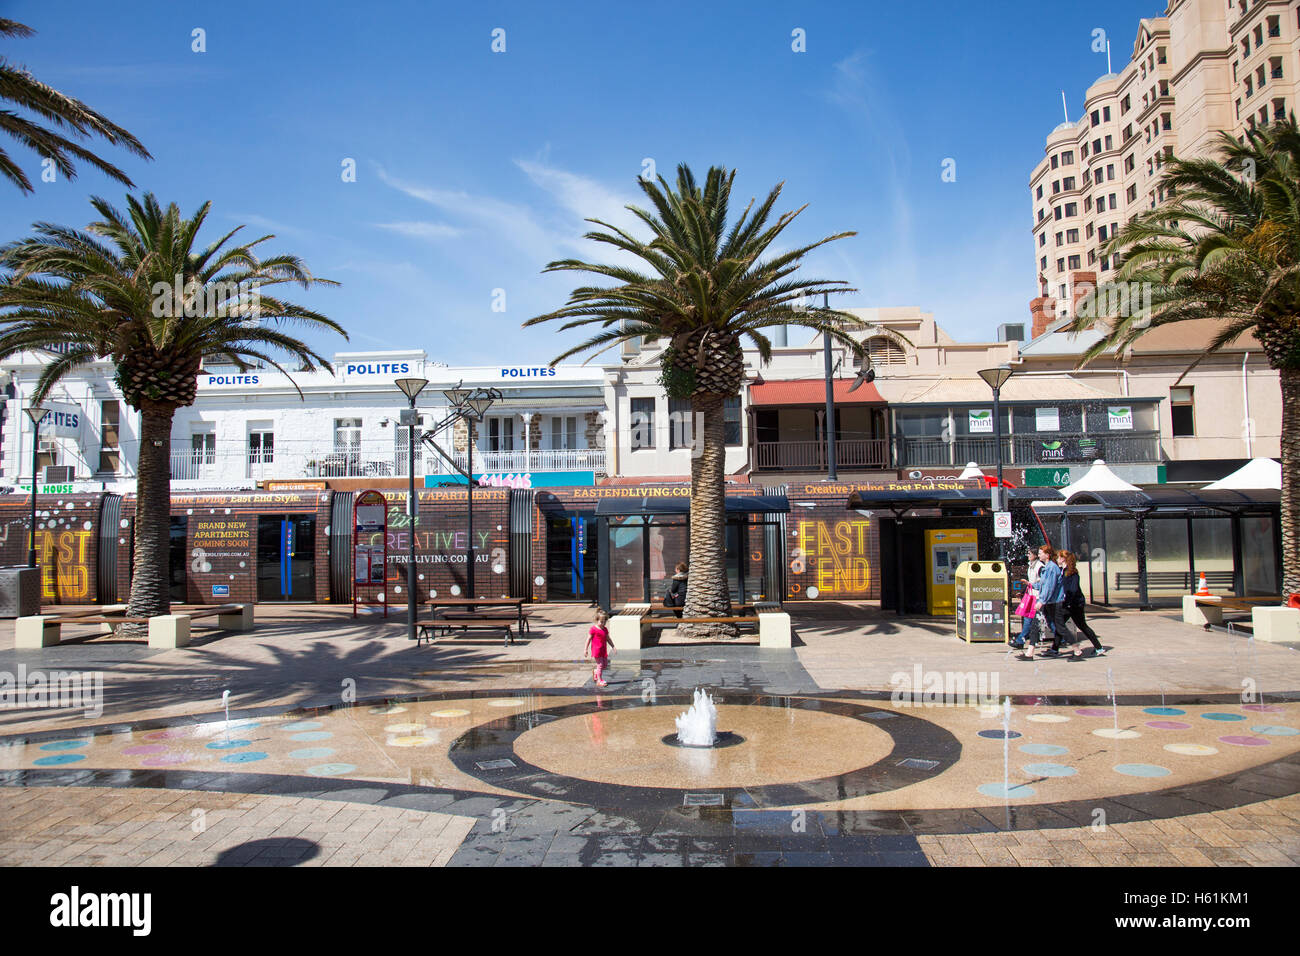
(676, 595)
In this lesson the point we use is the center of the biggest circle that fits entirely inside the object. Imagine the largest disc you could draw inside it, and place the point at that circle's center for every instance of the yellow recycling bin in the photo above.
(983, 613)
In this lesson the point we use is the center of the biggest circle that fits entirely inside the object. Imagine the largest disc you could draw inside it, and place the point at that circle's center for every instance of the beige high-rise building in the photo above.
(1203, 67)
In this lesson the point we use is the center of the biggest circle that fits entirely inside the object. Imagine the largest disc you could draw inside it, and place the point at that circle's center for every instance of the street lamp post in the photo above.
(996, 378)
(35, 413)
(411, 387)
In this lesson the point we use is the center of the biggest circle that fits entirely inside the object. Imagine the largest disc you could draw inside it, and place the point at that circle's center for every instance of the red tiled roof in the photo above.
(812, 392)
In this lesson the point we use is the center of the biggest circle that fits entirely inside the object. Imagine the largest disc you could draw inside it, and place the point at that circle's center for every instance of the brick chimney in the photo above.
(1082, 284)
(1043, 312)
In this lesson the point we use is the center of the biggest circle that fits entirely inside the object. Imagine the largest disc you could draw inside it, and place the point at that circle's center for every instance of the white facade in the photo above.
(254, 426)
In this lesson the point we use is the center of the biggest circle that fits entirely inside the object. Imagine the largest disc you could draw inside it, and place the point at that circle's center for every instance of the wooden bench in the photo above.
(521, 618)
(468, 621)
(1207, 610)
(165, 630)
(1172, 580)
(631, 629)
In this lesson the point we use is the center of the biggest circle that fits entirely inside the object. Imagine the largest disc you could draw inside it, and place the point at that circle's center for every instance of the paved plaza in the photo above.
(347, 744)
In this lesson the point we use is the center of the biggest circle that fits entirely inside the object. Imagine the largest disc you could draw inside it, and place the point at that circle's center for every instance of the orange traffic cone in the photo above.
(1202, 589)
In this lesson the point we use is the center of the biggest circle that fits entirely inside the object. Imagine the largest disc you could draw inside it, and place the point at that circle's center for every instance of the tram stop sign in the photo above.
(1002, 524)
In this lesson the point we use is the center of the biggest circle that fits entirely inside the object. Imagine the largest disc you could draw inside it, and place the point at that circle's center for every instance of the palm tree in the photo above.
(1224, 246)
(20, 88)
(137, 289)
(707, 287)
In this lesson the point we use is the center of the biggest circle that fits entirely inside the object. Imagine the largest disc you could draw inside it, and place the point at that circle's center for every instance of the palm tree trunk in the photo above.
(1290, 378)
(707, 594)
(151, 572)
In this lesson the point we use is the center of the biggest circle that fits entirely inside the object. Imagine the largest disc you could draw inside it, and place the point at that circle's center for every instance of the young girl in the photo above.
(599, 647)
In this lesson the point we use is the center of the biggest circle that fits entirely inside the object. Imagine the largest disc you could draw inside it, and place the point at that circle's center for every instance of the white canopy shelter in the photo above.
(1255, 474)
(972, 471)
(1098, 478)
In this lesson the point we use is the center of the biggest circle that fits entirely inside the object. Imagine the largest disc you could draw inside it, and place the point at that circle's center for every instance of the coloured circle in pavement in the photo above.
(1167, 725)
(164, 760)
(411, 741)
(1049, 770)
(510, 702)
(403, 728)
(144, 749)
(1262, 708)
(1043, 750)
(1192, 750)
(1095, 712)
(1048, 718)
(1142, 770)
(1110, 733)
(1163, 711)
(1275, 730)
(312, 735)
(450, 712)
(1017, 791)
(1223, 716)
(311, 753)
(330, 769)
(57, 759)
(248, 756)
(66, 745)
(394, 709)
(168, 734)
(302, 725)
(1000, 734)
(1241, 740)
(228, 744)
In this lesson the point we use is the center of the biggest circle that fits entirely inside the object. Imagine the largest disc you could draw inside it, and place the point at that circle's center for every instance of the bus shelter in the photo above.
(1151, 547)
(933, 530)
(642, 539)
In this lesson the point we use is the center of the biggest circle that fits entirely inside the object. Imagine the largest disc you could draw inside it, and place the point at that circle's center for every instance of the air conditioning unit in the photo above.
(59, 474)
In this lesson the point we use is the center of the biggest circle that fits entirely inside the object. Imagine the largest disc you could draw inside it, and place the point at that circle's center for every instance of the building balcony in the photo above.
(866, 453)
(386, 458)
(1028, 451)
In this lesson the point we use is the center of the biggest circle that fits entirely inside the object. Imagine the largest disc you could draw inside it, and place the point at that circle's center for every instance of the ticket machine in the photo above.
(945, 550)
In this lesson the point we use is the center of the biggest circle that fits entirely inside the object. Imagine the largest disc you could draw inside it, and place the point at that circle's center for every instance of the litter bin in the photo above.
(982, 595)
(20, 591)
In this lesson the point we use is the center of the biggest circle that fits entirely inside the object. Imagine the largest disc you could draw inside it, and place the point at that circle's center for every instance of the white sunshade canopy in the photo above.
(972, 471)
(1098, 478)
(1255, 474)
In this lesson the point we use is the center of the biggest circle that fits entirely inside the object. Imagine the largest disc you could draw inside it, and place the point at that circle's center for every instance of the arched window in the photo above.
(885, 351)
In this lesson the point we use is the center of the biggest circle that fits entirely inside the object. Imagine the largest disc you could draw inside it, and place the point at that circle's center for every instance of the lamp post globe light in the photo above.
(35, 413)
(996, 378)
(411, 388)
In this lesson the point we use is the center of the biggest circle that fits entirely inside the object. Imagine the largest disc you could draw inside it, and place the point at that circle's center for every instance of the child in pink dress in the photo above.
(599, 647)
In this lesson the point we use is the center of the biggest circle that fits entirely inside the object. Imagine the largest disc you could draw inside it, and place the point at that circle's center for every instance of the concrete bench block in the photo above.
(1276, 624)
(1194, 613)
(774, 629)
(629, 633)
(169, 630)
(241, 620)
(36, 631)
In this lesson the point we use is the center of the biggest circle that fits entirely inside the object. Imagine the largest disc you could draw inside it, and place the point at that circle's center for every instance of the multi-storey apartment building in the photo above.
(1203, 67)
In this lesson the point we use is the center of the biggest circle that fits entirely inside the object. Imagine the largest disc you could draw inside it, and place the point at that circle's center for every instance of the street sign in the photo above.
(1002, 524)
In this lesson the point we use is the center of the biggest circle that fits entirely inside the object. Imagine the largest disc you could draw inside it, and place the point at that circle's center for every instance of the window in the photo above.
(681, 423)
(501, 433)
(1101, 233)
(1180, 411)
(1105, 263)
(1110, 141)
(1060, 265)
(1042, 263)
(1072, 235)
(204, 448)
(1088, 231)
(110, 442)
(1042, 239)
(1128, 163)
(1060, 238)
(347, 434)
(643, 423)
(1040, 215)
(1105, 114)
(1160, 55)
(1072, 209)
(1069, 182)
(261, 447)
(883, 351)
(1113, 203)
(1092, 257)
(1056, 212)
(1055, 160)
(1279, 110)
(1274, 27)
(1275, 67)
(1124, 106)
(1067, 158)
(1110, 170)
(731, 420)
(1074, 262)
(1096, 145)
(1096, 117)
(1087, 203)
(1039, 194)
(564, 432)
(1056, 186)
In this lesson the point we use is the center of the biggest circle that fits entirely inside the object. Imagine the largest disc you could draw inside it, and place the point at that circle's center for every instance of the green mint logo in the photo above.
(1051, 445)
(980, 416)
(1119, 412)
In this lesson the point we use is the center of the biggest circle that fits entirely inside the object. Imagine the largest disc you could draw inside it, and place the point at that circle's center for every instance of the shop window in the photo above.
(643, 423)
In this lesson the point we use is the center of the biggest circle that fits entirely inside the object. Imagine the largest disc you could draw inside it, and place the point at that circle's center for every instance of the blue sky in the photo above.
(475, 168)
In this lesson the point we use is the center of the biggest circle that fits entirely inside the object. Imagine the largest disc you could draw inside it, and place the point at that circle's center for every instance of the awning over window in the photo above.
(666, 505)
(812, 392)
(1169, 500)
(942, 497)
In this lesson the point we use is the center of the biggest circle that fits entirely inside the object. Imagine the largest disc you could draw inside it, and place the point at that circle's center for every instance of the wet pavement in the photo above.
(516, 756)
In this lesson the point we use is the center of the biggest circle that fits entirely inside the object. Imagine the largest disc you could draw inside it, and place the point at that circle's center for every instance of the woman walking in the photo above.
(1074, 604)
(1028, 623)
(1051, 594)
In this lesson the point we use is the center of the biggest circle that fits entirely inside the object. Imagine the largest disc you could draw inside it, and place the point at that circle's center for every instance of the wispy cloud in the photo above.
(421, 230)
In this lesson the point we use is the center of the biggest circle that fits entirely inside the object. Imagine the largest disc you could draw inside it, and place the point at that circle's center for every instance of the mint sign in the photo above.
(980, 421)
(1120, 417)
